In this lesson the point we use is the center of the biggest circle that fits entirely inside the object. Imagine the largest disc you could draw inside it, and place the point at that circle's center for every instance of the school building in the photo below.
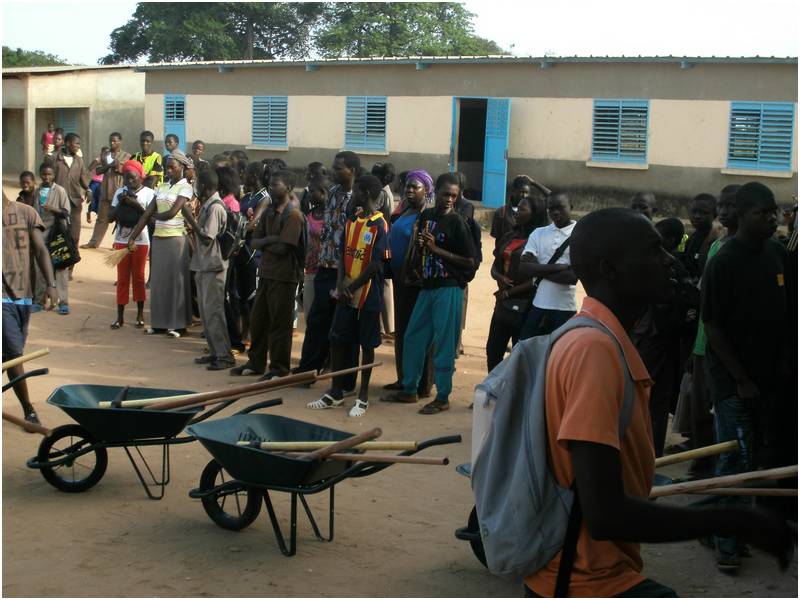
(89, 101)
(608, 126)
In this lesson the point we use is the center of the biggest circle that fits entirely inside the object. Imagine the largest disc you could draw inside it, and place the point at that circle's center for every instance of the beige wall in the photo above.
(550, 128)
(15, 93)
(418, 124)
(316, 122)
(13, 154)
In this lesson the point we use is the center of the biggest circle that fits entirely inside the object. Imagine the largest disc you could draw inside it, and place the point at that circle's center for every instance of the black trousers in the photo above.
(505, 327)
(661, 356)
(405, 297)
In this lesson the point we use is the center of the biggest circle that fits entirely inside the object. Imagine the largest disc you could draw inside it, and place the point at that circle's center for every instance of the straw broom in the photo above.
(115, 257)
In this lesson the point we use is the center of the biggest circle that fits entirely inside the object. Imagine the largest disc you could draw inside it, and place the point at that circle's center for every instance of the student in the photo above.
(514, 291)
(198, 149)
(658, 332)
(47, 140)
(95, 185)
(111, 171)
(466, 210)
(386, 175)
(417, 195)
(22, 239)
(702, 213)
(314, 171)
(522, 187)
(277, 236)
(229, 189)
(317, 195)
(209, 271)
(447, 251)
(127, 207)
(58, 141)
(28, 194)
(701, 428)
(644, 203)
(554, 300)
(171, 143)
(151, 161)
(619, 258)
(52, 203)
(314, 354)
(170, 290)
(70, 174)
(359, 294)
(744, 311)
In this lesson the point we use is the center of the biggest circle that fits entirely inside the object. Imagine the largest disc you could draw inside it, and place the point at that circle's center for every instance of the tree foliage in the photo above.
(400, 29)
(29, 58)
(241, 30)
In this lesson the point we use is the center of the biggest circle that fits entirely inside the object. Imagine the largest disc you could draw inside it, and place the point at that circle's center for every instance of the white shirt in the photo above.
(144, 196)
(543, 243)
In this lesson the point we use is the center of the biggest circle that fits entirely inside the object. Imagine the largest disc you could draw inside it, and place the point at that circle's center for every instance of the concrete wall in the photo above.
(13, 158)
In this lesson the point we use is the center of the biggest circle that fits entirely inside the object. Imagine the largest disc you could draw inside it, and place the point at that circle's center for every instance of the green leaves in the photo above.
(29, 58)
(243, 30)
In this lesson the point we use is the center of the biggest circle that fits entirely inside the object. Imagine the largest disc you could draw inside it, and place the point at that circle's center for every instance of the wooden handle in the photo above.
(25, 358)
(348, 371)
(382, 458)
(698, 453)
(307, 446)
(724, 481)
(27, 426)
(784, 492)
(322, 453)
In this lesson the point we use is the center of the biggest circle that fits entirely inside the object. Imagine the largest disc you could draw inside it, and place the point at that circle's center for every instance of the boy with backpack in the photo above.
(447, 259)
(359, 294)
(281, 238)
(210, 268)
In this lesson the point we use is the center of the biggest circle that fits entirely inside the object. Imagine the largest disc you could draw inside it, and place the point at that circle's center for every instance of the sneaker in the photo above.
(32, 418)
(270, 375)
(173, 333)
(204, 360)
(400, 398)
(63, 309)
(36, 307)
(220, 364)
(245, 369)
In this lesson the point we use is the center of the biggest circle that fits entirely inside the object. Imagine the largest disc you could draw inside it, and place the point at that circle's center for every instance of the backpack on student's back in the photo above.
(522, 510)
(232, 238)
(302, 244)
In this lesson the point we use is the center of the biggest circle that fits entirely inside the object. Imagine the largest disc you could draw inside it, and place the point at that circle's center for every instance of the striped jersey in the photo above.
(364, 241)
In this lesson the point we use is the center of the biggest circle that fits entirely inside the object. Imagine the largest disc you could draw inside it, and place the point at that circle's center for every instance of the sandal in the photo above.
(437, 406)
(116, 325)
(327, 401)
(139, 324)
(359, 408)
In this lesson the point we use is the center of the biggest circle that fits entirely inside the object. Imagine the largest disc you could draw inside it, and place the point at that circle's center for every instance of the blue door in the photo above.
(67, 119)
(495, 157)
(175, 118)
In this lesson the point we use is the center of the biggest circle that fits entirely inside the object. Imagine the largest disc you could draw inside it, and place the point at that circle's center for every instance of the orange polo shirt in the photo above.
(584, 393)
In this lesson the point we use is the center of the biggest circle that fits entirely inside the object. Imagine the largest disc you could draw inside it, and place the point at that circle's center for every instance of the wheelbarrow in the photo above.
(73, 458)
(257, 472)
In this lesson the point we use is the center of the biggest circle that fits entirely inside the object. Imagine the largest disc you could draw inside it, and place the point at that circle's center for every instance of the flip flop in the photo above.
(431, 408)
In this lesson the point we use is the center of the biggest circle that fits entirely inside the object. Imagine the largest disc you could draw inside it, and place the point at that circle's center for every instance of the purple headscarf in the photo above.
(425, 179)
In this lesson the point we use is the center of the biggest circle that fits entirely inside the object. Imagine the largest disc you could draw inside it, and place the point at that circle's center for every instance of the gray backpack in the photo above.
(522, 510)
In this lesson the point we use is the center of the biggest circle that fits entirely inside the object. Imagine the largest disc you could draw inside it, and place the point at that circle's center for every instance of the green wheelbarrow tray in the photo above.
(81, 402)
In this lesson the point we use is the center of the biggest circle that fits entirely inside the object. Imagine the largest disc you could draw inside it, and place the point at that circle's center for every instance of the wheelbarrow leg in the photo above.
(277, 528)
(165, 471)
(313, 521)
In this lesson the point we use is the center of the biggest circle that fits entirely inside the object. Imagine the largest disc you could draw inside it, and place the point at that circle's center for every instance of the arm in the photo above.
(724, 350)
(43, 260)
(260, 208)
(611, 515)
(173, 210)
(143, 220)
(462, 262)
(518, 290)
(188, 216)
(529, 267)
(567, 277)
(546, 191)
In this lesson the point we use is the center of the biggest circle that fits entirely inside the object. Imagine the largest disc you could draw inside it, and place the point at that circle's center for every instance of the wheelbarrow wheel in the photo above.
(234, 510)
(77, 475)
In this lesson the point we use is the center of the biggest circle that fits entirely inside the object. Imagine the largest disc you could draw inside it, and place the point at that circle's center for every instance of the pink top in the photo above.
(231, 202)
(96, 177)
(48, 137)
(314, 230)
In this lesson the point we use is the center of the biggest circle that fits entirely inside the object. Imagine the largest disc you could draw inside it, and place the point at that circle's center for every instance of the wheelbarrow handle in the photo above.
(18, 378)
(440, 441)
(262, 404)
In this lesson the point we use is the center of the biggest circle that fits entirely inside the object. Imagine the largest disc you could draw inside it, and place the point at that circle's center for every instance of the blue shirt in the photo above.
(399, 238)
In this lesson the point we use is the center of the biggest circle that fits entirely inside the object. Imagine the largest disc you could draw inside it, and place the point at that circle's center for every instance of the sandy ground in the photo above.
(394, 530)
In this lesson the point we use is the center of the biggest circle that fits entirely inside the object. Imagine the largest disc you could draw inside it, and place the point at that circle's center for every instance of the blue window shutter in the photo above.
(365, 123)
(175, 118)
(270, 120)
(760, 135)
(619, 130)
(67, 119)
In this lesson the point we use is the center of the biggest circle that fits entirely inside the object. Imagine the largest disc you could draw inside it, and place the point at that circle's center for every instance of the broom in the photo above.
(115, 257)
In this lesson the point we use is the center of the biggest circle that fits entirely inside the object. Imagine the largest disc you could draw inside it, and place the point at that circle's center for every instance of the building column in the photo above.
(29, 141)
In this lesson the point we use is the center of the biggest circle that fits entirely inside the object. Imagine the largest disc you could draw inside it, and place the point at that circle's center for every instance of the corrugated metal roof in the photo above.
(488, 59)
(61, 69)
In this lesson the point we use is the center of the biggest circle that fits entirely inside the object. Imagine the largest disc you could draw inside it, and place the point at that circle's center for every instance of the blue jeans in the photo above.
(543, 321)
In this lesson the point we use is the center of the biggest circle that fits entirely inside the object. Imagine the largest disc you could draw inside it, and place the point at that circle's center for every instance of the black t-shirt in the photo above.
(452, 234)
(744, 295)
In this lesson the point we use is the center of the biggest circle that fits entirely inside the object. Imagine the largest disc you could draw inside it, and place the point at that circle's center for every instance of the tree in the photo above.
(181, 31)
(363, 29)
(29, 58)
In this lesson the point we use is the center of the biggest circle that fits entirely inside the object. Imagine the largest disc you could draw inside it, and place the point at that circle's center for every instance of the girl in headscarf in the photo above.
(418, 193)
(170, 290)
(127, 206)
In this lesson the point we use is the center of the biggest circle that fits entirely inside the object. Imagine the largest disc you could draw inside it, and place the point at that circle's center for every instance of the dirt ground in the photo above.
(394, 530)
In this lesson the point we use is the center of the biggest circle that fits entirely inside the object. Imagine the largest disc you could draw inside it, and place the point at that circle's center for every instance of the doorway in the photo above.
(471, 143)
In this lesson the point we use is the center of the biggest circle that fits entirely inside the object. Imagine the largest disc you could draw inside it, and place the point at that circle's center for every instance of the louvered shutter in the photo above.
(270, 119)
(761, 135)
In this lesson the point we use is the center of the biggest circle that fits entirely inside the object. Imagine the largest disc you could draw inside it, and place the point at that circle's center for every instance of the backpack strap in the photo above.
(553, 259)
(569, 548)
